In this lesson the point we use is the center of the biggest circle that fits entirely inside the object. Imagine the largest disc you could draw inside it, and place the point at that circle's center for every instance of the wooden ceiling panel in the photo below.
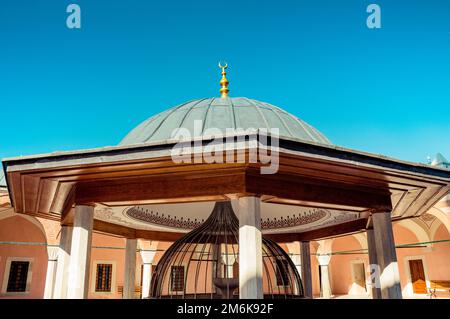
(327, 193)
(162, 187)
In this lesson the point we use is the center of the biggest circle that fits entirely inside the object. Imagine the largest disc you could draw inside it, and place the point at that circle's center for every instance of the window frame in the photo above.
(9, 261)
(184, 279)
(94, 277)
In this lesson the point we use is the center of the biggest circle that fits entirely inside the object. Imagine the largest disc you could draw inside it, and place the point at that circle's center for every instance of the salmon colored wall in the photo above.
(18, 229)
(52, 229)
(341, 266)
(439, 260)
(436, 261)
(115, 256)
(403, 235)
(162, 247)
(441, 233)
(314, 272)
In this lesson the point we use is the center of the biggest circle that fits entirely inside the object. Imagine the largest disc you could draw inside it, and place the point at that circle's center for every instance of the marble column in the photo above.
(250, 248)
(147, 259)
(294, 249)
(80, 258)
(373, 267)
(296, 259)
(52, 252)
(324, 261)
(306, 268)
(386, 256)
(129, 276)
(62, 271)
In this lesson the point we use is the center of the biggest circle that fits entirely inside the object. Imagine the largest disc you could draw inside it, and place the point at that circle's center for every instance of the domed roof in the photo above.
(223, 113)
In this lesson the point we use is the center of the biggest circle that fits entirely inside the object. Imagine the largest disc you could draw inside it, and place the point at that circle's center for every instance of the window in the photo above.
(18, 275)
(103, 274)
(177, 278)
(282, 272)
(103, 278)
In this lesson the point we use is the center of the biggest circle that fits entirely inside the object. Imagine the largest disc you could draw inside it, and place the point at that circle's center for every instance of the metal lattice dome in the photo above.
(223, 113)
(204, 264)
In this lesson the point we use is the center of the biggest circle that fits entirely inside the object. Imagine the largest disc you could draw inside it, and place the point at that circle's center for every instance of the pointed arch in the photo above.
(325, 246)
(416, 228)
(441, 216)
(10, 213)
(362, 239)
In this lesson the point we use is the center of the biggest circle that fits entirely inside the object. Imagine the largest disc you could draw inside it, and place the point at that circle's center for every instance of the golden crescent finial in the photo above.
(224, 82)
(223, 66)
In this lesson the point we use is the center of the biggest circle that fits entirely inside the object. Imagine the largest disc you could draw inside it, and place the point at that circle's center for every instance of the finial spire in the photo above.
(224, 82)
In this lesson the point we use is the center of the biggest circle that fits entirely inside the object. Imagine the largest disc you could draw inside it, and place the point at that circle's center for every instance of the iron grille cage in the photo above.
(203, 264)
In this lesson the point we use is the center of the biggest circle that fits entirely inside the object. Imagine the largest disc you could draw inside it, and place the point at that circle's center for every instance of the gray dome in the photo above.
(223, 113)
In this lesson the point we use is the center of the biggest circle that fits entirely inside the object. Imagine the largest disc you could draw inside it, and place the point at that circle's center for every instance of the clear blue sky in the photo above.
(384, 91)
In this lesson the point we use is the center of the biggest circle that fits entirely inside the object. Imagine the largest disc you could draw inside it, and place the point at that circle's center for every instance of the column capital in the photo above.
(323, 260)
(147, 256)
(84, 204)
(229, 259)
(52, 252)
(242, 196)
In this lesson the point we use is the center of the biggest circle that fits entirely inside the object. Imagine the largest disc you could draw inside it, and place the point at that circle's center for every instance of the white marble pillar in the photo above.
(296, 259)
(295, 255)
(324, 261)
(386, 256)
(80, 259)
(250, 248)
(52, 252)
(374, 268)
(147, 259)
(129, 276)
(62, 271)
(306, 268)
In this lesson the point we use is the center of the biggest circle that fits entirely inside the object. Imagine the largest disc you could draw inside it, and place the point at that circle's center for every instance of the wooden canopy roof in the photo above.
(309, 174)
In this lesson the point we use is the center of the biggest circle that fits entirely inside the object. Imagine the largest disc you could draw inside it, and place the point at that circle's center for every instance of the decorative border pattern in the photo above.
(343, 217)
(155, 218)
(108, 215)
(300, 219)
